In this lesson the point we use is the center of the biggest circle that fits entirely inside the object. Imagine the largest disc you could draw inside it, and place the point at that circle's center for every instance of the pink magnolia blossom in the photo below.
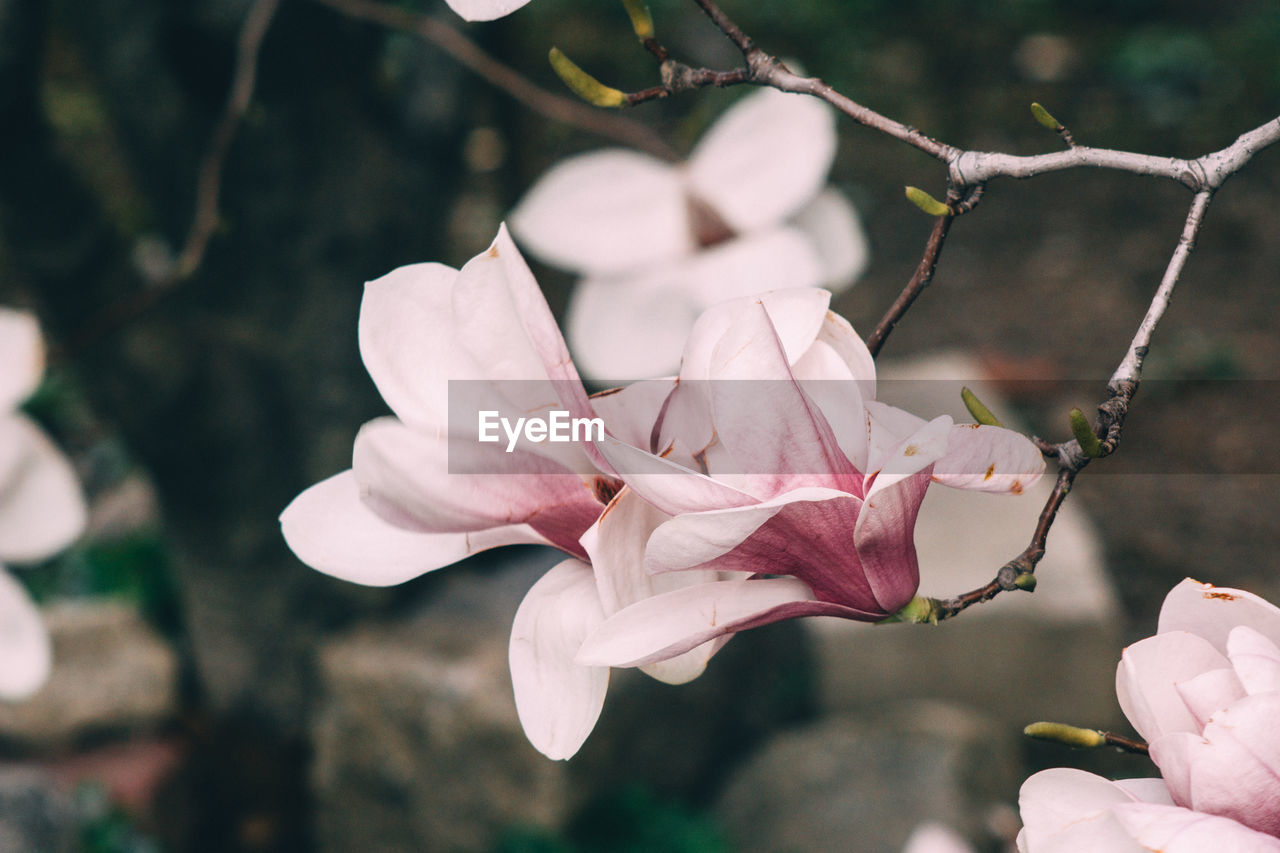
(657, 243)
(42, 509)
(1205, 694)
(423, 493)
(798, 473)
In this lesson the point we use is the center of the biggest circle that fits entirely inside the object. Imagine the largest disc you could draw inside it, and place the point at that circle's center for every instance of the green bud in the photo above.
(641, 20)
(1085, 435)
(919, 610)
(926, 202)
(1064, 734)
(1026, 581)
(1042, 116)
(583, 84)
(980, 412)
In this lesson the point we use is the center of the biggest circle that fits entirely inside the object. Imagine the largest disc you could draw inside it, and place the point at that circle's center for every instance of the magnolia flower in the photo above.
(799, 474)
(1205, 693)
(656, 243)
(485, 10)
(41, 507)
(423, 493)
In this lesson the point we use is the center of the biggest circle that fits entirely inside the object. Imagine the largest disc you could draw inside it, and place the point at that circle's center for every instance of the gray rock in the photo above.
(111, 674)
(35, 812)
(1019, 657)
(857, 786)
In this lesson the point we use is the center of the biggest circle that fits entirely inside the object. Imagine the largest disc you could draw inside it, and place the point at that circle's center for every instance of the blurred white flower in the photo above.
(657, 243)
(935, 838)
(485, 10)
(41, 507)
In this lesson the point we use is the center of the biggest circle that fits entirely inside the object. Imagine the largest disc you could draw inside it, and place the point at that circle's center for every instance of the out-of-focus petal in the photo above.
(616, 547)
(935, 838)
(21, 357)
(42, 509)
(484, 10)
(25, 656)
(331, 530)
(1170, 829)
(1070, 811)
(407, 341)
(1234, 769)
(1146, 678)
(606, 213)
(557, 699)
(764, 158)
(672, 623)
(405, 477)
(1255, 659)
(1211, 612)
(988, 459)
(832, 223)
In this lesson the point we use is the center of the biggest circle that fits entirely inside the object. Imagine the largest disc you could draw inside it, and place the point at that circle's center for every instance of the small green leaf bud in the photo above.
(980, 412)
(641, 20)
(926, 202)
(583, 84)
(1042, 116)
(1064, 734)
(1085, 435)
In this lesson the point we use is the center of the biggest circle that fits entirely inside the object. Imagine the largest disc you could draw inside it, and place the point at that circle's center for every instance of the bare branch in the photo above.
(919, 281)
(558, 108)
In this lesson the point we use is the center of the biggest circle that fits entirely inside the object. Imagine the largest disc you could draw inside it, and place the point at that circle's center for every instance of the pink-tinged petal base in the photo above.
(557, 699)
(670, 624)
(331, 530)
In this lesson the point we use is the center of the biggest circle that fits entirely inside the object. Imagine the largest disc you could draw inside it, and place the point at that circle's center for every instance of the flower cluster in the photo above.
(1205, 693)
(41, 507)
(765, 482)
(657, 243)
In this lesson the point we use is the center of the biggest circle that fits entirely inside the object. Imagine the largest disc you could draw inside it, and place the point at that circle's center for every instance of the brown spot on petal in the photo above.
(991, 469)
(1220, 596)
(605, 393)
(493, 251)
(605, 489)
(1016, 488)
(911, 450)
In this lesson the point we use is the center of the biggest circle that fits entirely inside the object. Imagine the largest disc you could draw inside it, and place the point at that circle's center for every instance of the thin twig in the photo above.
(919, 281)
(558, 108)
(1128, 744)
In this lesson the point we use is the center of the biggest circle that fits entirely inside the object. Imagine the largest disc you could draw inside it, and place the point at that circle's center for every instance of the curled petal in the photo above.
(333, 531)
(42, 509)
(1147, 676)
(672, 623)
(606, 213)
(764, 158)
(1211, 612)
(21, 357)
(25, 656)
(1170, 829)
(557, 699)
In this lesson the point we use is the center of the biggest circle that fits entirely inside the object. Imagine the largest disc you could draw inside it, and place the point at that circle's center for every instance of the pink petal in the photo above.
(616, 548)
(605, 213)
(630, 413)
(21, 357)
(1209, 692)
(1211, 612)
(672, 623)
(670, 487)
(887, 428)
(799, 316)
(884, 537)
(25, 657)
(911, 455)
(832, 223)
(331, 530)
(558, 700)
(428, 484)
(1170, 829)
(42, 509)
(1070, 811)
(989, 459)
(484, 10)
(1147, 679)
(764, 158)
(1255, 659)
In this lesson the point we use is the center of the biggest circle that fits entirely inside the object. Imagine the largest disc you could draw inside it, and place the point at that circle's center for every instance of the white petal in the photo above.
(1211, 612)
(1070, 811)
(935, 838)
(332, 531)
(989, 459)
(764, 158)
(484, 10)
(1255, 659)
(21, 357)
(408, 342)
(623, 330)
(1170, 829)
(832, 223)
(605, 213)
(557, 699)
(630, 413)
(616, 547)
(1147, 679)
(42, 509)
(25, 656)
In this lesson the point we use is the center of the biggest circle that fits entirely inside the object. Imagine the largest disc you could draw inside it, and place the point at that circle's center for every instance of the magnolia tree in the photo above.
(743, 471)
